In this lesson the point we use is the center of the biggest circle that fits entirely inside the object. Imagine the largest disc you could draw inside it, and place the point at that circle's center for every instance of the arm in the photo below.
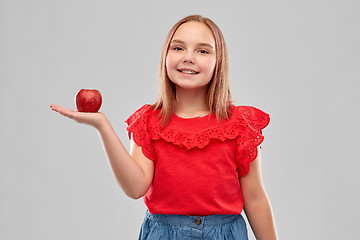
(256, 203)
(134, 172)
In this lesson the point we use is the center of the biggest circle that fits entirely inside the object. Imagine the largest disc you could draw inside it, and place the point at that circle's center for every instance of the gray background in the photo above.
(297, 60)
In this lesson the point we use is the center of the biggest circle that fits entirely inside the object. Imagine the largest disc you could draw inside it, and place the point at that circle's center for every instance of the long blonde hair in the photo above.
(219, 95)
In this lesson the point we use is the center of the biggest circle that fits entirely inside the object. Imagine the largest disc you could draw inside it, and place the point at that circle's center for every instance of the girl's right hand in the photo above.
(93, 119)
(134, 172)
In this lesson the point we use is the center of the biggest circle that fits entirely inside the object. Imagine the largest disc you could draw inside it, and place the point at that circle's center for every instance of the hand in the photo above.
(93, 119)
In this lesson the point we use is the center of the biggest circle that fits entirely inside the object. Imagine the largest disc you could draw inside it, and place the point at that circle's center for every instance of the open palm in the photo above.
(92, 119)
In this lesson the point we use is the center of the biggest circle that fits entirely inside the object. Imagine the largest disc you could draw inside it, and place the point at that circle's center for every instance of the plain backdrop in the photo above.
(298, 61)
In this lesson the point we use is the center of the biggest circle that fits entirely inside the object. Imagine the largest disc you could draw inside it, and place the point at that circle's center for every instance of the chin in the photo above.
(191, 86)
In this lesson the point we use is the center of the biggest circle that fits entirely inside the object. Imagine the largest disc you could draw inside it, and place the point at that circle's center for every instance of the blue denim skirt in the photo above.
(213, 227)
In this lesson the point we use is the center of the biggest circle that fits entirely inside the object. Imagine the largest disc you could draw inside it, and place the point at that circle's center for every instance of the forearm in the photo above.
(261, 220)
(127, 172)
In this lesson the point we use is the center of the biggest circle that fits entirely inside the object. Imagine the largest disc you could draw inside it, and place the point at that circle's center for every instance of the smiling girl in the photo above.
(194, 157)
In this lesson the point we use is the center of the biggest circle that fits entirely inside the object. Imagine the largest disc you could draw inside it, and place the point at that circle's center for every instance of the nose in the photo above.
(188, 58)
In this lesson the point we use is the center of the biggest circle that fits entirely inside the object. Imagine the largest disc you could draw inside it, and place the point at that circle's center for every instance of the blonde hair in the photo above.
(219, 96)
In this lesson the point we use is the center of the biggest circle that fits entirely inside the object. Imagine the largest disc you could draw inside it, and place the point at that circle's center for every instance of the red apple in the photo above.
(88, 100)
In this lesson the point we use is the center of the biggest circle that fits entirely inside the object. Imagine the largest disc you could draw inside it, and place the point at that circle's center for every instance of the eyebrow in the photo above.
(200, 44)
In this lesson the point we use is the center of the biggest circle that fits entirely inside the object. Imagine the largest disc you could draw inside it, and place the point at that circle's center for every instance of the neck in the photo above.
(191, 103)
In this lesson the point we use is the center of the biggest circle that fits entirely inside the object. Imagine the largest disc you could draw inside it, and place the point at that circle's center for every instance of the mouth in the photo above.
(188, 71)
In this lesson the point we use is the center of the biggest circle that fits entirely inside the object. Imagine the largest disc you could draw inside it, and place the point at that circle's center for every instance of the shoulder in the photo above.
(138, 124)
(251, 115)
(248, 111)
(142, 115)
(251, 120)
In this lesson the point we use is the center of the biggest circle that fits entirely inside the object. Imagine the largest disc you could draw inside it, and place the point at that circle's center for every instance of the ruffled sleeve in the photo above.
(138, 125)
(252, 121)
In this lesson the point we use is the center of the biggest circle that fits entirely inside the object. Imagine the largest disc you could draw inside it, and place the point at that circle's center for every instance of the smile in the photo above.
(188, 71)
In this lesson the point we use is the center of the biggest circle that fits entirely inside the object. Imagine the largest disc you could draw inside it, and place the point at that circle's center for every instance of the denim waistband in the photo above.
(192, 221)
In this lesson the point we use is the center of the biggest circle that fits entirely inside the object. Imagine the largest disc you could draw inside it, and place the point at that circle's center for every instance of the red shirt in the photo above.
(198, 161)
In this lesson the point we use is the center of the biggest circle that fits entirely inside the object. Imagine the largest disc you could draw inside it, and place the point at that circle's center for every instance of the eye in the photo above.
(177, 48)
(203, 51)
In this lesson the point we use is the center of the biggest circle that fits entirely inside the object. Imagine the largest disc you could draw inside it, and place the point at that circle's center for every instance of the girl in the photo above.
(194, 157)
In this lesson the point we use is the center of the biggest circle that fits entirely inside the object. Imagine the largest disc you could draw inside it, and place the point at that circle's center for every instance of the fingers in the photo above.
(93, 119)
(62, 110)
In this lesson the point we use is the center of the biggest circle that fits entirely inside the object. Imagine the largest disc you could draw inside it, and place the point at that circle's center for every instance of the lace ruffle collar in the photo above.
(245, 123)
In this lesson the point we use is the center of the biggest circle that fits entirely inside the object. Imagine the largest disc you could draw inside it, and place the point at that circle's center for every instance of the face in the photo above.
(191, 58)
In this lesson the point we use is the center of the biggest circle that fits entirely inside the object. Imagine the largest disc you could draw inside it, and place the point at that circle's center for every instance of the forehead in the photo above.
(194, 32)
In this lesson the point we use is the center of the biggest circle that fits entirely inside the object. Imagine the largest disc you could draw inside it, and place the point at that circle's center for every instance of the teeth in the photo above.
(187, 71)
